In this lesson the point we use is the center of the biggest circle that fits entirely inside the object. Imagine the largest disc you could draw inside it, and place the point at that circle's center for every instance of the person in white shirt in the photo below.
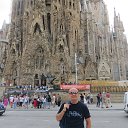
(53, 100)
(11, 99)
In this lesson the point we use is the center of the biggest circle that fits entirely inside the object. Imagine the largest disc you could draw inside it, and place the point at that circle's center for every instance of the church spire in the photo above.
(83, 5)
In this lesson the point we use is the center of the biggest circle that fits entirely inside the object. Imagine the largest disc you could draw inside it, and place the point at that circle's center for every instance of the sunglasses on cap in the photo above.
(73, 92)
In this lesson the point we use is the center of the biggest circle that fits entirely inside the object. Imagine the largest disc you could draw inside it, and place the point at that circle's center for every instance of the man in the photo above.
(11, 98)
(108, 100)
(103, 100)
(58, 100)
(72, 114)
(81, 98)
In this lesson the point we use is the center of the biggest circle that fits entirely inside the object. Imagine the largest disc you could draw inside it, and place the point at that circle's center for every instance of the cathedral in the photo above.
(49, 38)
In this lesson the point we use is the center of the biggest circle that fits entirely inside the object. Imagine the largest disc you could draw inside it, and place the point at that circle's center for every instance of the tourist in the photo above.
(73, 113)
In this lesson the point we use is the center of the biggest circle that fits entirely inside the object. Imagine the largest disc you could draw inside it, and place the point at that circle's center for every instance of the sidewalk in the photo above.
(115, 106)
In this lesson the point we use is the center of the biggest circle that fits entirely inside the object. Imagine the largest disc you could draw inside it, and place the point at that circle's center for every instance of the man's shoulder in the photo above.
(82, 104)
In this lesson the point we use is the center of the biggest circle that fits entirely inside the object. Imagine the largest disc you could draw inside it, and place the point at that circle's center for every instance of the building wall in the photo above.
(45, 35)
(4, 35)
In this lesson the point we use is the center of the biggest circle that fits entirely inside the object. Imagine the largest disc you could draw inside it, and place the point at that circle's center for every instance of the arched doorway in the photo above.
(36, 80)
(43, 80)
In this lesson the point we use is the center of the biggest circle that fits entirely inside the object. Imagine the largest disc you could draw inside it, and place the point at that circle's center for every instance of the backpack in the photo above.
(63, 122)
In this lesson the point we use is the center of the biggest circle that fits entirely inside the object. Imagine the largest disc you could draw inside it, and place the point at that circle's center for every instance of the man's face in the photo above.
(73, 94)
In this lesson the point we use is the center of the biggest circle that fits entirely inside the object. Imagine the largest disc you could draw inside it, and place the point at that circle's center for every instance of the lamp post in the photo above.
(90, 84)
(76, 69)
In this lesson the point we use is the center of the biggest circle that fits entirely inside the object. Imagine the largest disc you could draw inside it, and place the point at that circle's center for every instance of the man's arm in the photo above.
(60, 115)
(88, 122)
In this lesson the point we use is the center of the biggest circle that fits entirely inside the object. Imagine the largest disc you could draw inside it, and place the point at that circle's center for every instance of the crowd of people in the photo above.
(104, 100)
(45, 101)
(86, 98)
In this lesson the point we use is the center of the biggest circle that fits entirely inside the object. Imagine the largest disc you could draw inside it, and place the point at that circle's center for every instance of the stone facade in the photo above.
(4, 33)
(46, 34)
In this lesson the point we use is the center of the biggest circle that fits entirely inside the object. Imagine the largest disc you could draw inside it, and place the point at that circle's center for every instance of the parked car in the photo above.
(2, 109)
(126, 102)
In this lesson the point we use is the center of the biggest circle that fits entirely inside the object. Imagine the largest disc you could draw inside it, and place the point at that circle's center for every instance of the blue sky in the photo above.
(121, 7)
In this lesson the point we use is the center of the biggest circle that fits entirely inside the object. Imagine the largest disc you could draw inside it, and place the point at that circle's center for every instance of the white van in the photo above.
(126, 102)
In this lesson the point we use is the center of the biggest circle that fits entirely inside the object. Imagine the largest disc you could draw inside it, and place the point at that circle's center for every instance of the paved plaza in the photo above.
(113, 117)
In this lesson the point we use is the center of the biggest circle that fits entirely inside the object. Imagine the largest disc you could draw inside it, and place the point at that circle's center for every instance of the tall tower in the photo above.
(13, 63)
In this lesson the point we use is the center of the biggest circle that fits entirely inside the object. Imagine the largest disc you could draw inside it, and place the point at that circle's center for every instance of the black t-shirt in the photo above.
(75, 115)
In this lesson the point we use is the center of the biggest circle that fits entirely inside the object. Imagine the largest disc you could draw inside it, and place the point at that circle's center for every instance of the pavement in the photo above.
(115, 106)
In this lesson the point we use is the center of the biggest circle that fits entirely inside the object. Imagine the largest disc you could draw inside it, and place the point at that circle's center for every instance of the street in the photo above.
(46, 119)
(109, 119)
